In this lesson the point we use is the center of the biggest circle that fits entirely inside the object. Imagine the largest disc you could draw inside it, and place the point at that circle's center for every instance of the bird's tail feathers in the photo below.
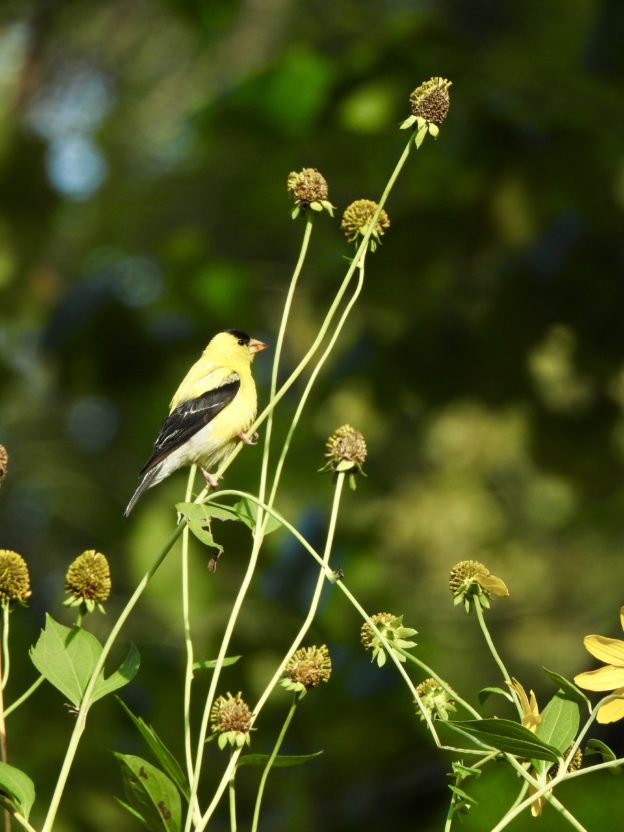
(150, 479)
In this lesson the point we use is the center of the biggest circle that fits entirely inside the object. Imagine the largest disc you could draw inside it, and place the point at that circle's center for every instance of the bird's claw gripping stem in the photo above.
(248, 440)
(210, 479)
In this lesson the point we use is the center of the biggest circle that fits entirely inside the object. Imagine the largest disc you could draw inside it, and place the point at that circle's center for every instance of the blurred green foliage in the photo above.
(144, 150)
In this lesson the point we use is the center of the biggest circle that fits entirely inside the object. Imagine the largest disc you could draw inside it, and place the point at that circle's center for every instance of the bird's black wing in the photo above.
(190, 417)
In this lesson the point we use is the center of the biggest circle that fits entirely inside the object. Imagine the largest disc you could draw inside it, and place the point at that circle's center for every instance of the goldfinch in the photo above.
(213, 407)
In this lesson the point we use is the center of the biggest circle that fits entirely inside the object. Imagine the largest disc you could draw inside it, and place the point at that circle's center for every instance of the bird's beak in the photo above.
(256, 346)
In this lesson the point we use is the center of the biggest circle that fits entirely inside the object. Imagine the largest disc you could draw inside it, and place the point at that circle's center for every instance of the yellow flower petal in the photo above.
(609, 650)
(605, 678)
(494, 585)
(612, 711)
(622, 617)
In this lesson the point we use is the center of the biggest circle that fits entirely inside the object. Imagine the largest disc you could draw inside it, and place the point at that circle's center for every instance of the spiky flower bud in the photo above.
(396, 636)
(429, 104)
(230, 718)
(345, 451)
(4, 462)
(307, 668)
(14, 578)
(436, 701)
(308, 188)
(431, 100)
(357, 218)
(470, 580)
(88, 581)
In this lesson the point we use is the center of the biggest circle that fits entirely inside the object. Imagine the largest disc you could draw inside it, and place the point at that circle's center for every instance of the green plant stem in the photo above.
(81, 717)
(313, 376)
(324, 562)
(232, 801)
(581, 735)
(495, 655)
(280, 340)
(410, 657)
(6, 656)
(24, 823)
(188, 641)
(341, 586)
(258, 536)
(15, 705)
(328, 317)
(271, 760)
(4, 673)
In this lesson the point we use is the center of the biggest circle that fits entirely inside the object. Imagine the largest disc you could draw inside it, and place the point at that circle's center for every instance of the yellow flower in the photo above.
(530, 719)
(610, 676)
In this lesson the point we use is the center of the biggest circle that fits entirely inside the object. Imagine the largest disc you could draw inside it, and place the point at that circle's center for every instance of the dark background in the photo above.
(144, 150)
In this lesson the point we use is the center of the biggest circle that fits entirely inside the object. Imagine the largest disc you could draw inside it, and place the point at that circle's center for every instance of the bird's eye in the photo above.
(241, 341)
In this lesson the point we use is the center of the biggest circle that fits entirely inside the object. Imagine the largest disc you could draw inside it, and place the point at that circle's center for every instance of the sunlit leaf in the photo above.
(507, 736)
(559, 722)
(150, 793)
(210, 664)
(160, 751)
(569, 687)
(281, 761)
(17, 790)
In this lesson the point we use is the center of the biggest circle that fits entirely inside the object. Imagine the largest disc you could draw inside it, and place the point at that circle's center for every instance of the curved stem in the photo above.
(313, 376)
(81, 717)
(23, 822)
(363, 247)
(495, 654)
(188, 641)
(258, 536)
(410, 657)
(331, 529)
(271, 760)
(15, 705)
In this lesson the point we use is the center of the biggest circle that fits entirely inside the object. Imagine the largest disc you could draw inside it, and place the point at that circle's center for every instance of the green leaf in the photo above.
(420, 135)
(599, 747)
(160, 751)
(210, 664)
(132, 811)
(485, 693)
(569, 687)
(281, 761)
(507, 736)
(150, 793)
(247, 511)
(559, 722)
(67, 657)
(17, 790)
(199, 518)
(462, 794)
(126, 672)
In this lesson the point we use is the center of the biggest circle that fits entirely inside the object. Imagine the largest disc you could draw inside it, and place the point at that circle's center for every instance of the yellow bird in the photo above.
(213, 407)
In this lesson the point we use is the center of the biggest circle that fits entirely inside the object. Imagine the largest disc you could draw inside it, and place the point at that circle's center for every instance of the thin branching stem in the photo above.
(27, 693)
(271, 760)
(329, 542)
(495, 654)
(81, 717)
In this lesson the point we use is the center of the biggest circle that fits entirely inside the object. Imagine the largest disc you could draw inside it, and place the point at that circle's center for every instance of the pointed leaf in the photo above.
(17, 790)
(126, 672)
(151, 793)
(210, 664)
(507, 736)
(599, 747)
(159, 750)
(559, 722)
(66, 658)
(281, 761)
(569, 687)
(199, 519)
(132, 811)
(485, 693)
(247, 511)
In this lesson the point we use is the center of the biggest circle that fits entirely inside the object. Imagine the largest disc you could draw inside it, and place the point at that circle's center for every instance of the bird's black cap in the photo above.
(240, 335)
